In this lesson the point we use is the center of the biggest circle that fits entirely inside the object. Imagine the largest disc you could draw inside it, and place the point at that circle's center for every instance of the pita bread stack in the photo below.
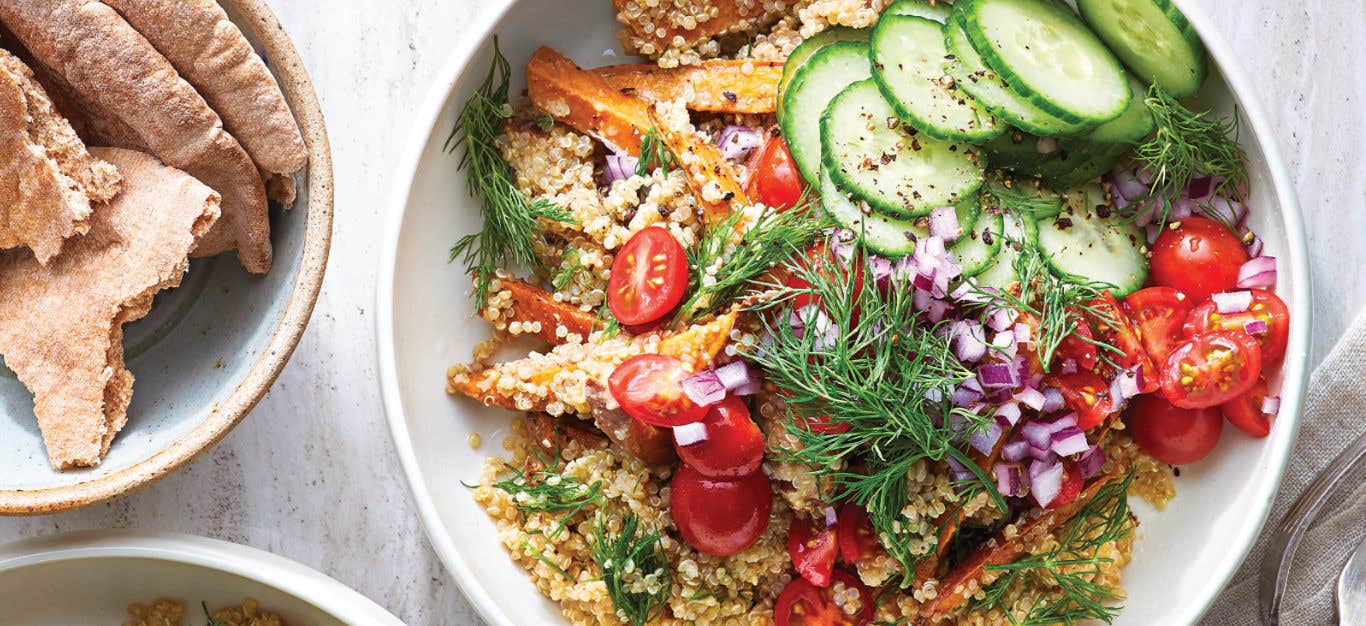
(89, 237)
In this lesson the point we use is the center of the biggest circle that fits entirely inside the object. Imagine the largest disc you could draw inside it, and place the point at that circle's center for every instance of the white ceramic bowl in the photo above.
(91, 577)
(1184, 555)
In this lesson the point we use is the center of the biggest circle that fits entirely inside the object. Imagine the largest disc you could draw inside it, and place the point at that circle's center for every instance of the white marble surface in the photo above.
(311, 474)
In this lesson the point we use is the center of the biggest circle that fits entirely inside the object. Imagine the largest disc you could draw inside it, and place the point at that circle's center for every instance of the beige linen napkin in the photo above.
(1334, 415)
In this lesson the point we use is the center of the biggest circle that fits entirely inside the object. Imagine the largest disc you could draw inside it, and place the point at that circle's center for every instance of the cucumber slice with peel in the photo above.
(1017, 231)
(1130, 128)
(817, 82)
(803, 52)
(1048, 56)
(1154, 39)
(977, 248)
(1095, 245)
(908, 57)
(933, 10)
(886, 236)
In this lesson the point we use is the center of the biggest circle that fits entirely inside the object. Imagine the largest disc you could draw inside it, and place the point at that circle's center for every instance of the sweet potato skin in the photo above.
(533, 304)
(717, 86)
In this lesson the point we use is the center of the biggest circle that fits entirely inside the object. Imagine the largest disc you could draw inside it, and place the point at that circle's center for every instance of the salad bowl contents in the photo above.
(863, 314)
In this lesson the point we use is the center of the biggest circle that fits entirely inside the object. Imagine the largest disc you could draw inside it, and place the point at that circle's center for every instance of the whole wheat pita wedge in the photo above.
(212, 54)
(61, 326)
(47, 178)
(108, 63)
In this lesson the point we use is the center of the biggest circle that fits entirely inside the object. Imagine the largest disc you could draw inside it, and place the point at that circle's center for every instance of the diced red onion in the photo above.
(959, 471)
(1009, 479)
(939, 309)
(1069, 441)
(962, 396)
(704, 388)
(1232, 301)
(1091, 461)
(1002, 318)
(1037, 434)
(747, 390)
(734, 374)
(881, 270)
(984, 439)
(1271, 405)
(997, 375)
(969, 342)
(1062, 422)
(969, 292)
(812, 316)
(1022, 333)
(1045, 481)
(1052, 400)
(1224, 210)
(1152, 231)
(1041, 454)
(1046, 145)
(690, 434)
(620, 167)
(1199, 187)
(1127, 186)
(921, 300)
(944, 223)
(923, 282)
(1032, 398)
(1258, 272)
(736, 142)
(1008, 413)
(1015, 451)
(1004, 343)
(1255, 327)
(1181, 209)
(1069, 366)
(1255, 246)
(1125, 386)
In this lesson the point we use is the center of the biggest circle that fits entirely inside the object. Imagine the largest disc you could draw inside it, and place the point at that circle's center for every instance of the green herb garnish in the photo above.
(566, 273)
(608, 322)
(209, 616)
(510, 219)
(1072, 566)
(635, 568)
(548, 491)
(1189, 144)
(654, 154)
(881, 374)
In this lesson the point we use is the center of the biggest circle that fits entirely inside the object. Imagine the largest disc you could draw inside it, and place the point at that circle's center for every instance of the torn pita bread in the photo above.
(212, 54)
(119, 74)
(47, 179)
(61, 326)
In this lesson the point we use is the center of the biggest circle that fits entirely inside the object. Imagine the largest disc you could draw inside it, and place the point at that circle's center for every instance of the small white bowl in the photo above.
(91, 577)
(1183, 556)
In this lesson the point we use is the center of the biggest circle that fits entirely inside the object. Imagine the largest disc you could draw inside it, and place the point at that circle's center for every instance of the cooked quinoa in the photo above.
(164, 612)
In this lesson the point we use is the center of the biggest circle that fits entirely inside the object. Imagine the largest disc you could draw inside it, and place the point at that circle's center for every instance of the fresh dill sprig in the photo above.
(881, 373)
(1186, 145)
(544, 121)
(548, 491)
(566, 273)
(635, 568)
(654, 154)
(775, 238)
(609, 323)
(1072, 566)
(510, 219)
(1023, 196)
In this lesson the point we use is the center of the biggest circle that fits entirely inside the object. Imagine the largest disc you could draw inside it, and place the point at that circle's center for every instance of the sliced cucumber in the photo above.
(1018, 230)
(809, 47)
(1048, 56)
(1153, 38)
(908, 58)
(972, 76)
(1131, 127)
(1095, 245)
(873, 156)
(1070, 162)
(883, 235)
(1085, 199)
(1024, 195)
(937, 11)
(829, 70)
(976, 250)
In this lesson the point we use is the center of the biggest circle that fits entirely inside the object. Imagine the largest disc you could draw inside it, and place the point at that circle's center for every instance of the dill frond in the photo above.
(564, 275)
(635, 568)
(548, 491)
(510, 219)
(610, 325)
(654, 154)
(1186, 145)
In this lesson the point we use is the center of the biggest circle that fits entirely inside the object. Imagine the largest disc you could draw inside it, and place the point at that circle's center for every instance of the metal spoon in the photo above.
(1352, 590)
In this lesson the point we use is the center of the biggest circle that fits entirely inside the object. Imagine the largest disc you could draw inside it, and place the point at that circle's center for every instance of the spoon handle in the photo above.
(1281, 551)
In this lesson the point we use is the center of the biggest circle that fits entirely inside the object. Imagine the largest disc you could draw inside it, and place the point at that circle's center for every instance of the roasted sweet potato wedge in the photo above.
(730, 16)
(533, 304)
(716, 86)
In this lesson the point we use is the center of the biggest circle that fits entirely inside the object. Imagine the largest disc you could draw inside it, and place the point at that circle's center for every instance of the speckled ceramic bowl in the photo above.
(210, 349)
(91, 577)
(1184, 555)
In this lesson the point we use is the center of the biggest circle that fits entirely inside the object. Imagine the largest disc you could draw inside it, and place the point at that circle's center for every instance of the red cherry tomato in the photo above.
(812, 550)
(820, 257)
(1158, 312)
(1078, 346)
(1266, 307)
(1245, 411)
(1086, 394)
(821, 424)
(649, 387)
(1172, 434)
(1072, 482)
(773, 178)
(1211, 369)
(649, 277)
(1115, 328)
(1199, 257)
(717, 516)
(734, 445)
(858, 540)
(804, 604)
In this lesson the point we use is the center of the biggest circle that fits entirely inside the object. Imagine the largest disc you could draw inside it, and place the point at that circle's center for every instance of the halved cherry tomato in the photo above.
(649, 387)
(734, 446)
(1078, 347)
(717, 516)
(821, 424)
(812, 550)
(1199, 257)
(649, 277)
(1072, 482)
(1245, 411)
(1266, 307)
(819, 257)
(773, 178)
(1087, 394)
(1172, 434)
(1158, 312)
(804, 604)
(1115, 328)
(1211, 369)
(858, 540)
